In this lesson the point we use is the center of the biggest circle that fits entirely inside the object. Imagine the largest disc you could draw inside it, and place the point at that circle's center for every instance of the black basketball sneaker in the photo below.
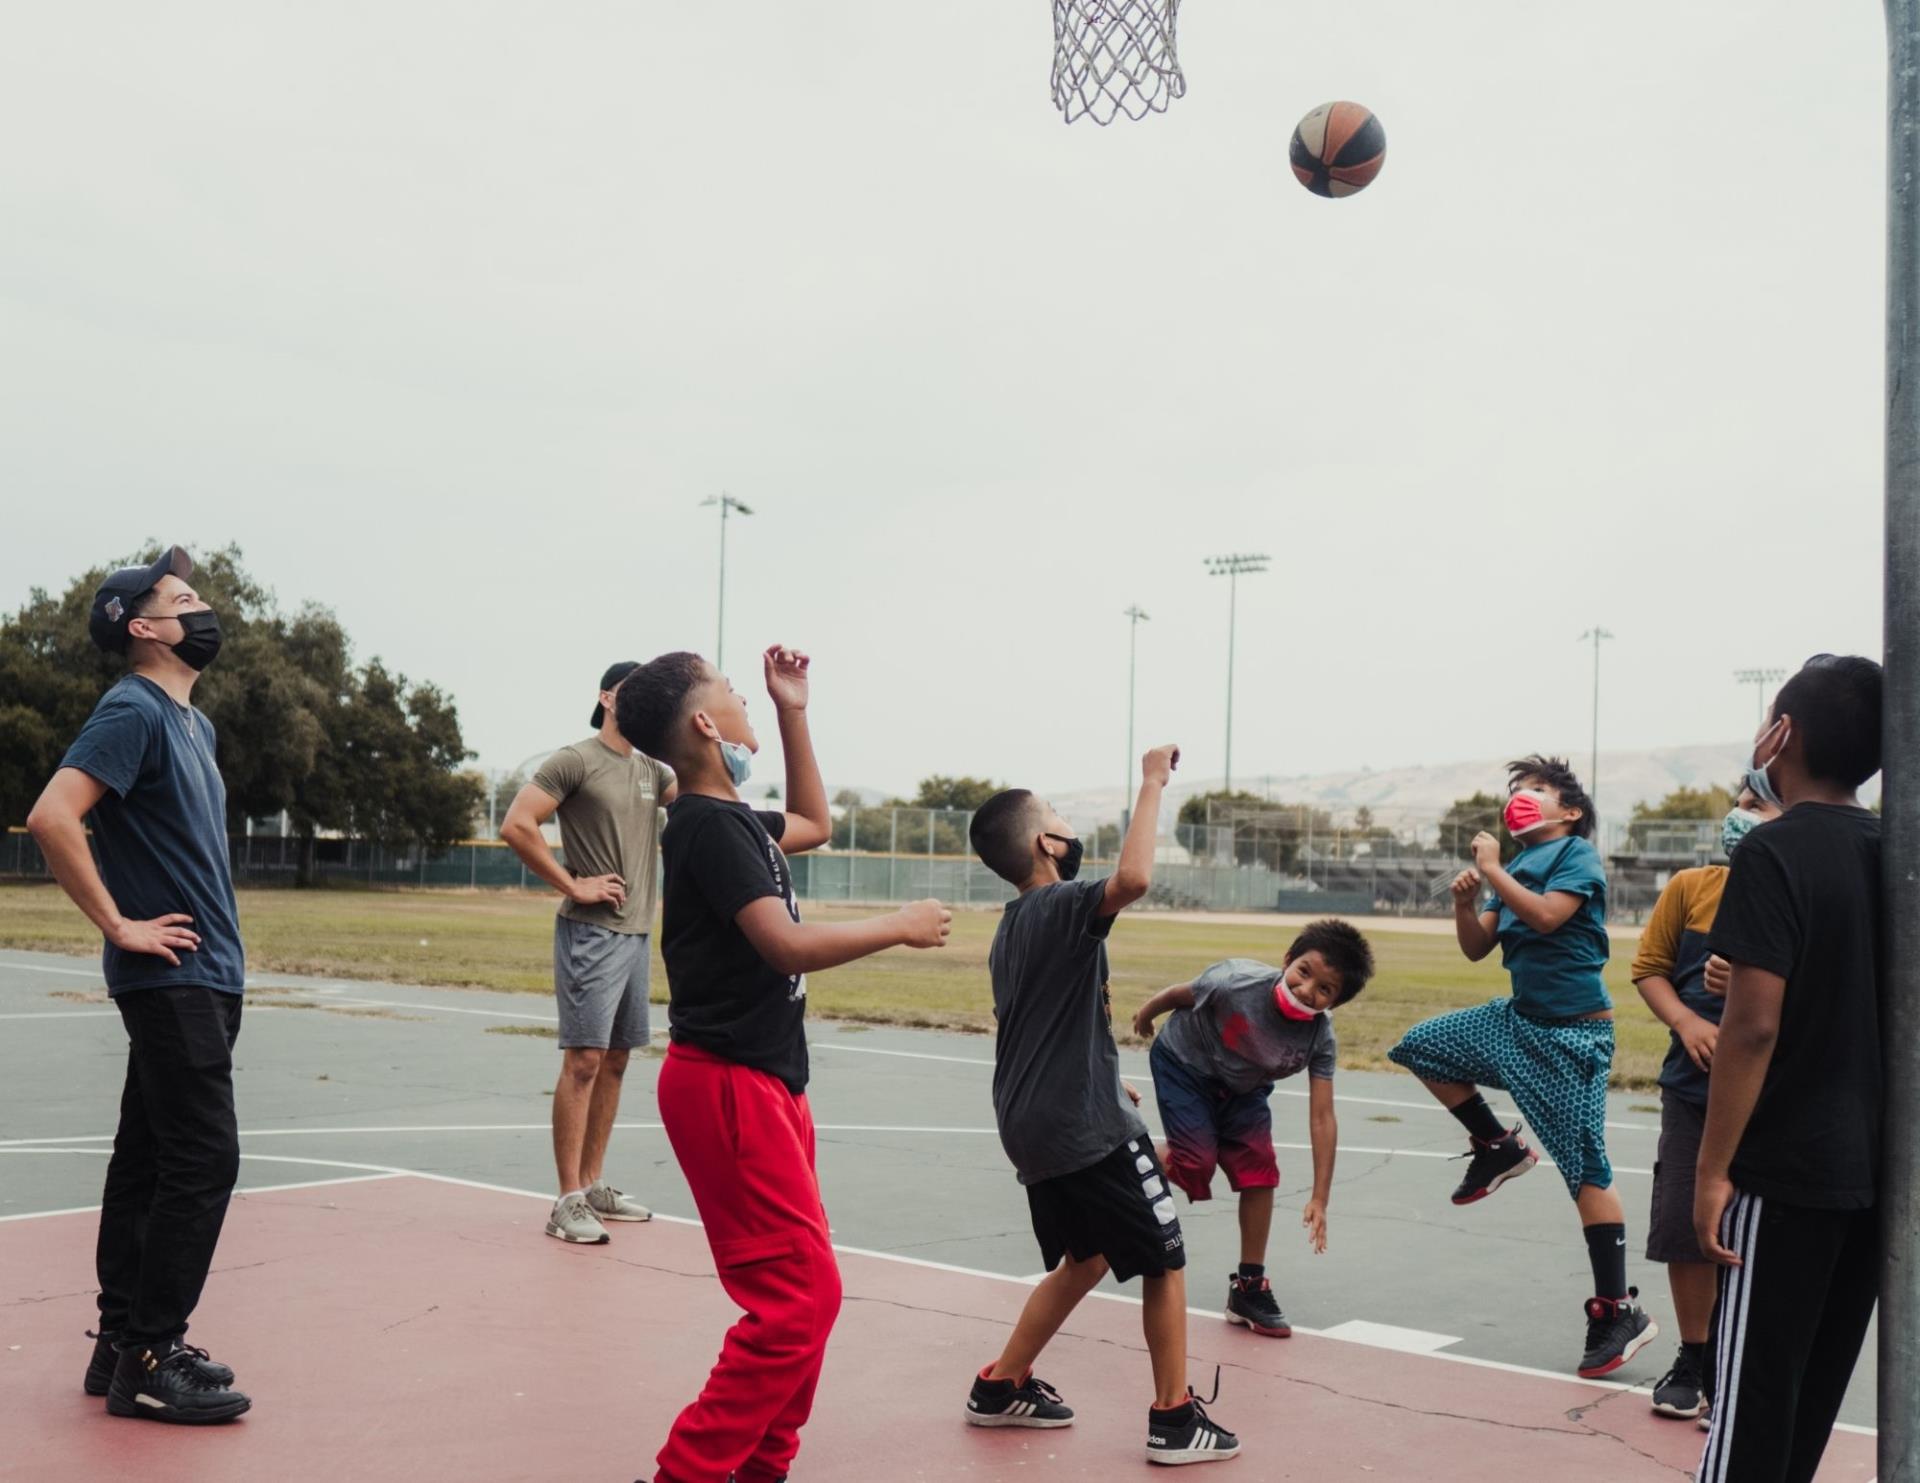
(1493, 1165)
(1187, 1434)
(1682, 1392)
(100, 1369)
(164, 1382)
(1026, 1402)
(1617, 1330)
(1250, 1302)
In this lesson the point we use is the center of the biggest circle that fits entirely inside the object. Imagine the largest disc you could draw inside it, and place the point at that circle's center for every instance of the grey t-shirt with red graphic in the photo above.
(1235, 1034)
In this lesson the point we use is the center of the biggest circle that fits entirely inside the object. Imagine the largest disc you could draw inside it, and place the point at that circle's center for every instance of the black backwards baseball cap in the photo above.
(614, 675)
(114, 603)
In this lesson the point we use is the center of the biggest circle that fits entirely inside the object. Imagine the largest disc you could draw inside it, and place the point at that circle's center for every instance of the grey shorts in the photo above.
(1670, 1236)
(600, 981)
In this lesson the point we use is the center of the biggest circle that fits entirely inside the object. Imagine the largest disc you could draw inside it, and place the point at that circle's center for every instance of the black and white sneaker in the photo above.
(1028, 1402)
(1187, 1434)
(100, 1369)
(1617, 1330)
(1250, 1302)
(1493, 1165)
(1681, 1392)
(164, 1382)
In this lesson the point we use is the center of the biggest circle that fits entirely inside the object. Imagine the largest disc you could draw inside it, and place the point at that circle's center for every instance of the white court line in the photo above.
(924, 1263)
(258, 1189)
(67, 1145)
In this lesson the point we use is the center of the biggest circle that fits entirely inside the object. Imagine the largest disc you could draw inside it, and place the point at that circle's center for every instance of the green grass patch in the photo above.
(504, 940)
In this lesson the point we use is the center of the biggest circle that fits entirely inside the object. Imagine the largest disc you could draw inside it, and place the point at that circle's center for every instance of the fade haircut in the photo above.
(651, 704)
(1835, 704)
(1002, 834)
(1345, 950)
(1557, 775)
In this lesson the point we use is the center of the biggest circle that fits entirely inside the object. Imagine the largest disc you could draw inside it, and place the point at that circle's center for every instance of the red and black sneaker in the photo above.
(1493, 1165)
(1617, 1330)
(1250, 1301)
(1024, 1402)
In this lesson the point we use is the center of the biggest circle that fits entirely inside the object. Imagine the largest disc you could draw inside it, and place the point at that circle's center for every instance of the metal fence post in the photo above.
(853, 842)
(1899, 1444)
(893, 854)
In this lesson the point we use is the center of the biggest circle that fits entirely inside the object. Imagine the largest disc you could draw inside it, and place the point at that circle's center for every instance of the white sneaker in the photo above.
(572, 1220)
(610, 1204)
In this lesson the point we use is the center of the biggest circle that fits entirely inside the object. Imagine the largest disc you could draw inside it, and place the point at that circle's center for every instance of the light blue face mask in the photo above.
(739, 760)
(1737, 825)
(1762, 787)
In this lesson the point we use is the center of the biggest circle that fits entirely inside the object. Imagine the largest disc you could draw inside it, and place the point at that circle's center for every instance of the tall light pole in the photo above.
(1135, 616)
(728, 506)
(1595, 635)
(1231, 568)
(1760, 679)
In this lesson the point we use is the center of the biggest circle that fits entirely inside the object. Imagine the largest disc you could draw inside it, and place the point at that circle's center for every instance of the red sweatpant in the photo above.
(745, 1144)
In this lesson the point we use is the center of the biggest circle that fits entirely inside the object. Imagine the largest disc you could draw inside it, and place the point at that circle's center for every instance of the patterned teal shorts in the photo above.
(1555, 1070)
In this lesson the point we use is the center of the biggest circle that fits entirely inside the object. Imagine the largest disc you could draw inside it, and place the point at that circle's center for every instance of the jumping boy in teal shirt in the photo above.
(1550, 1044)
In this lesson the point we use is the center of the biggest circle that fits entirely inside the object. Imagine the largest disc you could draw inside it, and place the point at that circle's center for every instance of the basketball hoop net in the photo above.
(1115, 56)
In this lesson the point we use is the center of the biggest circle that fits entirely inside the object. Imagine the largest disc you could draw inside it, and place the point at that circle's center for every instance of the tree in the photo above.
(963, 795)
(1711, 802)
(1194, 810)
(1466, 817)
(1263, 832)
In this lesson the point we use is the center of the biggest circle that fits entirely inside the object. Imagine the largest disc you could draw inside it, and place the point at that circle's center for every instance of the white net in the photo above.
(1115, 56)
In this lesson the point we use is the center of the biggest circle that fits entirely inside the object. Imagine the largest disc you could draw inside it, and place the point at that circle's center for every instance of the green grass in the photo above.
(503, 940)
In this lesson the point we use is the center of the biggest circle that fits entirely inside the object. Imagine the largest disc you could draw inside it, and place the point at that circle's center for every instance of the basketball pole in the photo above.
(1900, 738)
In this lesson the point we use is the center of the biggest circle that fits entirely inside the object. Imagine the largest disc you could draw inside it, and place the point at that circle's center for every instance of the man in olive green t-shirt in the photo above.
(609, 798)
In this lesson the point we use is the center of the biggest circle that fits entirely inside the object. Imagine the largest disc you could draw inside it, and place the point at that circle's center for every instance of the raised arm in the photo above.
(792, 947)
(1474, 929)
(1545, 913)
(809, 822)
(57, 823)
(1134, 876)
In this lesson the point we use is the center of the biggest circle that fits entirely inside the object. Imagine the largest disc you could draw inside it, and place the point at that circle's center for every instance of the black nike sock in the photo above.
(1607, 1251)
(1478, 1119)
(1252, 1271)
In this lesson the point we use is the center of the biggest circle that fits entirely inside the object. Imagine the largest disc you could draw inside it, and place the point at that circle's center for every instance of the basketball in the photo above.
(1338, 149)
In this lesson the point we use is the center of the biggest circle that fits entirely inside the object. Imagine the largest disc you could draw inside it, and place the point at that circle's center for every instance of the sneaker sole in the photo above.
(560, 1235)
(1679, 1415)
(1705, 1423)
(1645, 1337)
(1181, 1459)
(1525, 1166)
(605, 1215)
(1283, 1332)
(1037, 1423)
(133, 1411)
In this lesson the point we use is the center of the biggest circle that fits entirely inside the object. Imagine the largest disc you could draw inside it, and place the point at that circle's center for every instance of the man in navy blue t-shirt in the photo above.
(142, 774)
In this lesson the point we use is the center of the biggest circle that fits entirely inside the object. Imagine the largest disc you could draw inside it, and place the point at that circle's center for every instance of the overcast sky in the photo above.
(450, 314)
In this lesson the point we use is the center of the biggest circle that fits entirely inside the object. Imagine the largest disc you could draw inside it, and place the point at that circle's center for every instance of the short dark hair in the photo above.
(1557, 775)
(652, 702)
(1835, 704)
(1345, 950)
(1001, 835)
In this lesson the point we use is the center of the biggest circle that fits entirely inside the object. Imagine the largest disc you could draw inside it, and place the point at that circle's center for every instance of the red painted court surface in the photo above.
(409, 1328)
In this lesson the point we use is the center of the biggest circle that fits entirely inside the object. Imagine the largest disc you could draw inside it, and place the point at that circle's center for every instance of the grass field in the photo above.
(503, 940)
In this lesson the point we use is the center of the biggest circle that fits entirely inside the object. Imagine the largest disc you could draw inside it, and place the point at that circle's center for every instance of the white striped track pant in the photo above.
(1787, 1331)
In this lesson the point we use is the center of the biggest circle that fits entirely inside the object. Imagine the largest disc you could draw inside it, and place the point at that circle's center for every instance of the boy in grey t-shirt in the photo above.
(1096, 1193)
(1235, 1030)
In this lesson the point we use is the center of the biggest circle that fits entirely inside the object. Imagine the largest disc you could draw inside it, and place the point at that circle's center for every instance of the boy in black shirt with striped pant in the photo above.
(1789, 1163)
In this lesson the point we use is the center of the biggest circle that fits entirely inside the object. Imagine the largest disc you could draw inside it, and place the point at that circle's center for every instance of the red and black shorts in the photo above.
(1210, 1127)
(1119, 1208)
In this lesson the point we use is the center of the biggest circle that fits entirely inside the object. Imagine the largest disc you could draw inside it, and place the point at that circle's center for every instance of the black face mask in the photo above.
(1069, 864)
(201, 644)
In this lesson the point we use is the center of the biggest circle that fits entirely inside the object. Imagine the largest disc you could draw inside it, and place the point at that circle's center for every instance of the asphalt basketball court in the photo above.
(387, 1296)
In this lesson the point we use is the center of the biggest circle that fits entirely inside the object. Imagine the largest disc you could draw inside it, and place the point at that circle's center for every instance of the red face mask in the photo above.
(1289, 1006)
(1524, 814)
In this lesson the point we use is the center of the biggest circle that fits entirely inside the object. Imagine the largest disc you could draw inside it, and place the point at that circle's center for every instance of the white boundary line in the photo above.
(258, 1189)
(379, 1171)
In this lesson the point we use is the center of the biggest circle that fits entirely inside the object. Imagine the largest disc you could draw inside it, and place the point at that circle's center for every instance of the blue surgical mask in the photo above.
(739, 759)
(1762, 787)
(1737, 825)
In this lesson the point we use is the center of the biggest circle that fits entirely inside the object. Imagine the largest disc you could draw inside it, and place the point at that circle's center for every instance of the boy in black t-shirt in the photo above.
(1097, 1193)
(732, 1093)
(1789, 1162)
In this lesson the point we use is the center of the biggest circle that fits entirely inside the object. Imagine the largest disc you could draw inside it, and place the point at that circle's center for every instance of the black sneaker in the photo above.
(1681, 1392)
(1250, 1301)
(1616, 1332)
(1028, 1402)
(100, 1369)
(1187, 1434)
(165, 1383)
(1493, 1165)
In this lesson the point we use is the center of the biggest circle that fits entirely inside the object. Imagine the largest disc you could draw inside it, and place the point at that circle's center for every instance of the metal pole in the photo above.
(1233, 612)
(720, 634)
(1134, 615)
(1900, 782)
(1596, 633)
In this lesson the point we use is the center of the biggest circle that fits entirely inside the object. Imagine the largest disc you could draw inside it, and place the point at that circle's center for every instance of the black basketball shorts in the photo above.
(1119, 1208)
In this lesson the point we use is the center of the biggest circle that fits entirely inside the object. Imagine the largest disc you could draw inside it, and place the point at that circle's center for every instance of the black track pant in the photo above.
(175, 1159)
(1788, 1330)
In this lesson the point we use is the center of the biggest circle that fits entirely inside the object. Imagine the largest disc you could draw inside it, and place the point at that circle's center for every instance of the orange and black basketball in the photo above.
(1338, 149)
